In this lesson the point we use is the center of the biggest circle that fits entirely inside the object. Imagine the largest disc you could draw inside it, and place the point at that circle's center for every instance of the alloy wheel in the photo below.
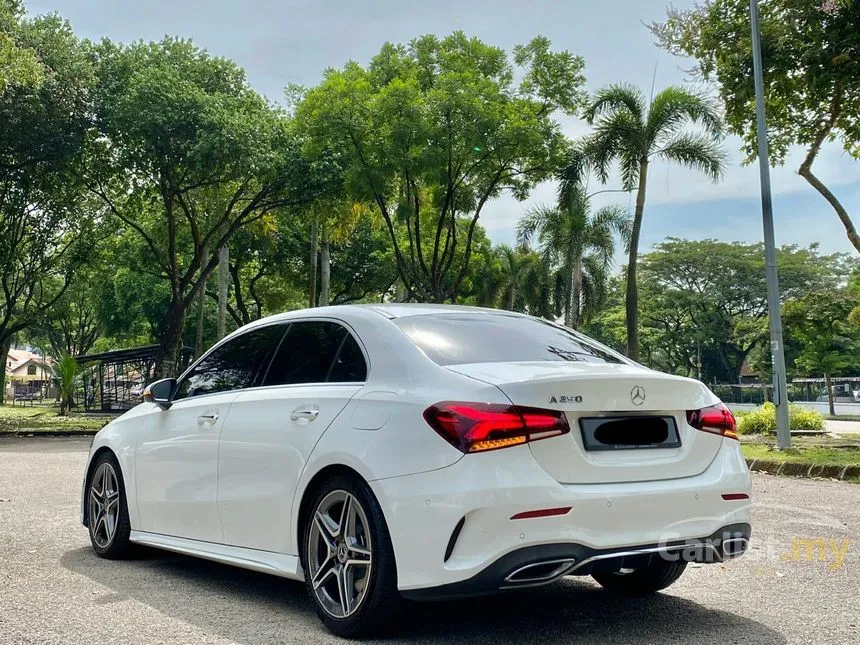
(104, 505)
(339, 554)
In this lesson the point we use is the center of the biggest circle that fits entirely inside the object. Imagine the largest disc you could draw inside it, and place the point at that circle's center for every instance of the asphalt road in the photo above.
(53, 589)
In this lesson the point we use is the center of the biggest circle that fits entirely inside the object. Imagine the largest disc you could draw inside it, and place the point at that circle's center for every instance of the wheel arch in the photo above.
(90, 467)
(331, 470)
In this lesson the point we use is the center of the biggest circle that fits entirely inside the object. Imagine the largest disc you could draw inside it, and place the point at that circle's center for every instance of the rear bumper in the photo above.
(542, 564)
(482, 492)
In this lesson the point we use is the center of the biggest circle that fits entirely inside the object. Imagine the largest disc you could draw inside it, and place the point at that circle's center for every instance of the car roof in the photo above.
(389, 311)
(403, 309)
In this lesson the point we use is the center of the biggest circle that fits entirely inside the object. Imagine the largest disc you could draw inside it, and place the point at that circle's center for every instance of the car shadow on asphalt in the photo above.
(253, 608)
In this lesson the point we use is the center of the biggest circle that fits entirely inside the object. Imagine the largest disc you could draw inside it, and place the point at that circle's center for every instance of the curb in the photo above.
(828, 471)
(19, 434)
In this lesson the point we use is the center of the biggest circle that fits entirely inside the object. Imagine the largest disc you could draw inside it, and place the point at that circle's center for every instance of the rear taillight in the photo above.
(717, 419)
(476, 427)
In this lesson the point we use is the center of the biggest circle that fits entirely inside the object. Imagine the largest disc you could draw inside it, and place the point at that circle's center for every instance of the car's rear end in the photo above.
(585, 463)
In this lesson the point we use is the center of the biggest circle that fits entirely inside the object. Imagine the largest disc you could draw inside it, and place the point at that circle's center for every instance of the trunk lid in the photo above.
(606, 390)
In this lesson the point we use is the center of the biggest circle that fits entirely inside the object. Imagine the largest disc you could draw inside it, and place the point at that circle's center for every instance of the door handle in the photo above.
(304, 414)
(207, 419)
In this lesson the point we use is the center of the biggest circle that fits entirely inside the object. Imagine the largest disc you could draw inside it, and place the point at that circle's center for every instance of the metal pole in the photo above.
(780, 393)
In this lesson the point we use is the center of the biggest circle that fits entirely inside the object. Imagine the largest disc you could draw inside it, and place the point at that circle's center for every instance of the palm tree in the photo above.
(66, 372)
(633, 132)
(580, 243)
(524, 283)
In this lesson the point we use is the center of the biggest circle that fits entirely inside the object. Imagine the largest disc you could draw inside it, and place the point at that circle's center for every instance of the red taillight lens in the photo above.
(476, 427)
(717, 419)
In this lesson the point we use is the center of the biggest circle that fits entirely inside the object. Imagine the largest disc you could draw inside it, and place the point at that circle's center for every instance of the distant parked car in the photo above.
(387, 451)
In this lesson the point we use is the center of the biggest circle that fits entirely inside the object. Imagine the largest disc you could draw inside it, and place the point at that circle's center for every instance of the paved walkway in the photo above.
(842, 427)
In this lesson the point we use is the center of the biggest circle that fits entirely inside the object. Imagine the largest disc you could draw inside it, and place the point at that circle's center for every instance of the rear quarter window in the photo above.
(457, 339)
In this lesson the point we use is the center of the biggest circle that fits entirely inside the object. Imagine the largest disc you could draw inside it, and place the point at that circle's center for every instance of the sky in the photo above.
(285, 41)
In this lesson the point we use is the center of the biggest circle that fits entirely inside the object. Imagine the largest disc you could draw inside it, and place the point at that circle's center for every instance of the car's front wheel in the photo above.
(348, 560)
(651, 578)
(107, 509)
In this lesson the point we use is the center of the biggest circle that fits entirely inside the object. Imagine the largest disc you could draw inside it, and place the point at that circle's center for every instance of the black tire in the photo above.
(377, 608)
(657, 575)
(112, 545)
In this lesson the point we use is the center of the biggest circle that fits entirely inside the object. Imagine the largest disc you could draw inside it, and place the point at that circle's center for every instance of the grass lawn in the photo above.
(828, 454)
(799, 454)
(45, 419)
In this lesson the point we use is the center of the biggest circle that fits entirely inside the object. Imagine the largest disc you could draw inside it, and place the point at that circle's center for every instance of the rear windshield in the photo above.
(455, 339)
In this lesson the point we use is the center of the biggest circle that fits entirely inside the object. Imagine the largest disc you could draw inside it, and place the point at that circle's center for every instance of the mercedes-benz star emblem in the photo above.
(637, 395)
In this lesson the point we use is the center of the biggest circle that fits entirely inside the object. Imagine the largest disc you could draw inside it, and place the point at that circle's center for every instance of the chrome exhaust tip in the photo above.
(539, 573)
(733, 547)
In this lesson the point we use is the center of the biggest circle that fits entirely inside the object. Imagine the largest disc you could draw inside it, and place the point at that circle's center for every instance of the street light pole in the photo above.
(780, 392)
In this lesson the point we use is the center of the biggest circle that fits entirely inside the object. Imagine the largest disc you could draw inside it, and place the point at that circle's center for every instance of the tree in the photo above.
(811, 65)
(19, 63)
(46, 224)
(633, 133)
(830, 341)
(433, 130)
(581, 244)
(66, 373)
(187, 154)
(709, 297)
(72, 323)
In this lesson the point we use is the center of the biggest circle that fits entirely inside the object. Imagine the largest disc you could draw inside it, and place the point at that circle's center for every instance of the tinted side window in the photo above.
(349, 366)
(308, 354)
(237, 364)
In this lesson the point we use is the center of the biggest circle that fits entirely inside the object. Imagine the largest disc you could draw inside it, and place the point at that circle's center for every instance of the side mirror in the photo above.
(161, 392)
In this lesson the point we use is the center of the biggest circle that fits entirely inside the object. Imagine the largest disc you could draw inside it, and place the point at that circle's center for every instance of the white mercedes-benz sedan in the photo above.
(381, 452)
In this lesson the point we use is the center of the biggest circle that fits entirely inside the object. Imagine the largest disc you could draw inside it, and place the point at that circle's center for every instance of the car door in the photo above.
(177, 456)
(270, 431)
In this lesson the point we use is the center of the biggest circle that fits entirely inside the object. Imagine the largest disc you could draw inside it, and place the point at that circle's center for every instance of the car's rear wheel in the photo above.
(348, 560)
(651, 578)
(107, 509)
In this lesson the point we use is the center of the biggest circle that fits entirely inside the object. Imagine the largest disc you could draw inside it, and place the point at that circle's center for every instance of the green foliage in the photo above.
(66, 371)
(708, 298)
(822, 321)
(19, 63)
(811, 65)
(47, 225)
(188, 154)
(633, 133)
(580, 246)
(431, 131)
(762, 420)
(811, 60)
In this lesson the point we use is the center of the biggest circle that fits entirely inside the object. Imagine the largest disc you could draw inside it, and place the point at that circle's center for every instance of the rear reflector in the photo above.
(544, 512)
(477, 427)
(730, 497)
(716, 419)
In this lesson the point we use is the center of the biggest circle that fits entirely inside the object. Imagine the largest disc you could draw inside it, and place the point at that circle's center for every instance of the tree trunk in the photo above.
(167, 358)
(575, 292)
(325, 270)
(829, 387)
(223, 286)
(805, 171)
(512, 297)
(312, 269)
(201, 304)
(632, 303)
(5, 345)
